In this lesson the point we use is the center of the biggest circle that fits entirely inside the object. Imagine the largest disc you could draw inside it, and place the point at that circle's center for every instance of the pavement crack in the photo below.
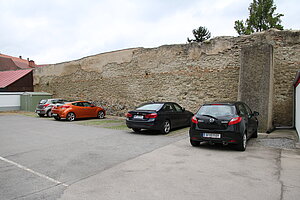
(279, 169)
(35, 192)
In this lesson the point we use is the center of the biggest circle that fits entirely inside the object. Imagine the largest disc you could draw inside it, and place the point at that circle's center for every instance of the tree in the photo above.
(201, 34)
(261, 17)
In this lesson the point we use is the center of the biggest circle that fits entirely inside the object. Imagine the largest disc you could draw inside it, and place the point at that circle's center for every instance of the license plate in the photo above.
(53, 114)
(138, 117)
(212, 135)
(38, 111)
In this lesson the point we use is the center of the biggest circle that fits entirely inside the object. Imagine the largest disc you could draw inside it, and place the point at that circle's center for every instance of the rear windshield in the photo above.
(43, 101)
(153, 106)
(216, 110)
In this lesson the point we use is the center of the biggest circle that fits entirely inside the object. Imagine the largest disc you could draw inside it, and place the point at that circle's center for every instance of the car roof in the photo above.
(159, 102)
(231, 103)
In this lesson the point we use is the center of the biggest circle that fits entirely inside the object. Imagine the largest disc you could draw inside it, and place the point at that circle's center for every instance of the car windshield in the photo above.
(153, 106)
(216, 110)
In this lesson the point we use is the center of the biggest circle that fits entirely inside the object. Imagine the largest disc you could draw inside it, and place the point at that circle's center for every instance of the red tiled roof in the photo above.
(20, 63)
(9, 77)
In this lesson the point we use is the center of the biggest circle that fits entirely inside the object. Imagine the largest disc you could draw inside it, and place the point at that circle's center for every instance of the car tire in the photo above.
(195, 143)
(137, 130)
(242, 145)
(49, 113)
(57, 118)
(100, 115)
(254, 135)
(166, 127)
(41, 115)
(71, 116)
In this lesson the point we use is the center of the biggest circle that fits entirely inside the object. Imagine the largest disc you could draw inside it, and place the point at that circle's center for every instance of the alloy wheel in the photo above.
(71, 117)
(167, 127)
(100, 115)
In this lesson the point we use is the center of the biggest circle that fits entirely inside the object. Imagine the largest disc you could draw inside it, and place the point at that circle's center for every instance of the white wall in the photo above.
(10, 100)
(297, 110)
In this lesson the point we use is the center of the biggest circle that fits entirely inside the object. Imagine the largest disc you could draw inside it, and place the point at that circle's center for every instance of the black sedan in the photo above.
(162, 116)
(227, 123)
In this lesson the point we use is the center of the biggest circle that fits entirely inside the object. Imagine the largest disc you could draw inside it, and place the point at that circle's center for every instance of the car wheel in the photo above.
(254, 135)
(166, 127)
(136, 130)
(71, 117)
(195, 143)
(100, 115)
(41, 115)
(57, 118)
(49, 113)
(242, 145)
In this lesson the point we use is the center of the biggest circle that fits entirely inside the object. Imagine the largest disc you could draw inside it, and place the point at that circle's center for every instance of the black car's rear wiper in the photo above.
(210, 116)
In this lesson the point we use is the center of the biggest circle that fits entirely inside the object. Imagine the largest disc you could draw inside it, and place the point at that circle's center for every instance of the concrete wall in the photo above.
(189, 74)
(256, 81)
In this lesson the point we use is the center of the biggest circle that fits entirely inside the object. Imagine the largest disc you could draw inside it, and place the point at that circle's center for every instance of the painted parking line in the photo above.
(33, 172)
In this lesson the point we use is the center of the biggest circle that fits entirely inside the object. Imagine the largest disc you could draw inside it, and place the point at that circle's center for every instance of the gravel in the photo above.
(281, 143)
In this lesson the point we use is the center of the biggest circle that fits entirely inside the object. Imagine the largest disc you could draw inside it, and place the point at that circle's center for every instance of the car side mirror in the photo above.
(255, 114)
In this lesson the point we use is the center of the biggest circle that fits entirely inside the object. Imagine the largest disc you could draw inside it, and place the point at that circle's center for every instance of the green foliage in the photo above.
(261, 17)
(201, 34)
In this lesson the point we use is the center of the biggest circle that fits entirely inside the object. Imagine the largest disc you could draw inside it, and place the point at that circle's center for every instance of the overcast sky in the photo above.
(52, 31)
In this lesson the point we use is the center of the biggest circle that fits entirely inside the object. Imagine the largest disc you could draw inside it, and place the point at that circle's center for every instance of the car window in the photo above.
(242, 109)
(249, 111)
(152, 106)
(216, 110)
(43, 101)
(177, 107)
(86, 104)
(78, 104)
(168, 107)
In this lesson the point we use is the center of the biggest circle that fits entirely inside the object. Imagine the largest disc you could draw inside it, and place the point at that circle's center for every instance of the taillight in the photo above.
(151, 116)
(194, 120)
(46, 105)
(128, 115)
(235, 120)
(65, 107)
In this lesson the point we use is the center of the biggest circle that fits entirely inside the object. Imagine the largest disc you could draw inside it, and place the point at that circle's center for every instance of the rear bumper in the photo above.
(150, 125)
(59, 114)
(226, 136)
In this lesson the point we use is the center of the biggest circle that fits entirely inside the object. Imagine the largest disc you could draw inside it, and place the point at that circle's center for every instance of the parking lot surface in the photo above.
(41, 158)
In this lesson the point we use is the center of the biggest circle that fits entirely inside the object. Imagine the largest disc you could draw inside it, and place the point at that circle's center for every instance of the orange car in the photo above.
(77, 109)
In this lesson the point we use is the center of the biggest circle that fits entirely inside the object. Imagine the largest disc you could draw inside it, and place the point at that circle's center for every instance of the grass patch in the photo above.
(101, 122)
(118, 127)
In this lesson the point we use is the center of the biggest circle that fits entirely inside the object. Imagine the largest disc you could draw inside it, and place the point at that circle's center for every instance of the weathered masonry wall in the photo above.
(256, 81)
(189, 74)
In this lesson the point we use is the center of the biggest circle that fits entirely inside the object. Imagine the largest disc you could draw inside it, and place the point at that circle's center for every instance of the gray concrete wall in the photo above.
(256, 81)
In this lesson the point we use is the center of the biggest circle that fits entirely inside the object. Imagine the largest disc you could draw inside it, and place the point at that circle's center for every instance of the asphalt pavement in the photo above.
(44, 159)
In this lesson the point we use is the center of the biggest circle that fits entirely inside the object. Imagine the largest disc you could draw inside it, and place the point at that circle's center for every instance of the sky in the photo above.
(54, 31)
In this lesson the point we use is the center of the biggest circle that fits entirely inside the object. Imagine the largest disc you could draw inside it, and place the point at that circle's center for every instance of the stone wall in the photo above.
(189, 74)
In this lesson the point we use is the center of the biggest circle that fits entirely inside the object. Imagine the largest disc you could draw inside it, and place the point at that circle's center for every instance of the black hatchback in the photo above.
(227, 123)
(162, 116)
